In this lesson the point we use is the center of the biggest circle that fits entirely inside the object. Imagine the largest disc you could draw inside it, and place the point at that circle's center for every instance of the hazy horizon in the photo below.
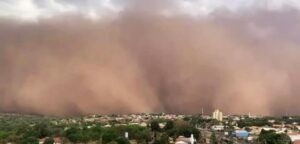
(132, 56)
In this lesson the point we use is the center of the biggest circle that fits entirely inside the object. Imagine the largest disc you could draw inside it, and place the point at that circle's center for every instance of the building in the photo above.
(295, 137)
(255, 130)
(217, 127)
(218, 115)
(185, 140)
(56, 140)
(241, 134)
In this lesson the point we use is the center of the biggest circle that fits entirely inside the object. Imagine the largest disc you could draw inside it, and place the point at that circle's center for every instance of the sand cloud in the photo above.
(146, 61)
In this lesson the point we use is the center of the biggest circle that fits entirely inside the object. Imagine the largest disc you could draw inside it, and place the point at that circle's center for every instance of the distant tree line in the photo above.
(26, 130)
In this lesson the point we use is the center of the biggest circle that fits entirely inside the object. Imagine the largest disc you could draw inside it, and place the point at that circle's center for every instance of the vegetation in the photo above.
(30, 129)
(253, 122)
(25, 129)
(49, 141)
(270, 137)
(213, 139)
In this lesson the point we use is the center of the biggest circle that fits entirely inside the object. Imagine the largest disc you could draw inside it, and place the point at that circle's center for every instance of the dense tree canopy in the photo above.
(270, 137)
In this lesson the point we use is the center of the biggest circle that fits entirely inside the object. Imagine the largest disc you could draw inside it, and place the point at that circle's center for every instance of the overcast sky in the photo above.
(32, 10)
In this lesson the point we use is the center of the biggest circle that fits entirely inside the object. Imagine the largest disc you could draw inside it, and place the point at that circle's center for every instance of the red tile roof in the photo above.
(296, 142)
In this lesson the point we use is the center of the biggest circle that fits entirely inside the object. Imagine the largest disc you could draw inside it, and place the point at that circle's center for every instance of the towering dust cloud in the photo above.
(142, 60)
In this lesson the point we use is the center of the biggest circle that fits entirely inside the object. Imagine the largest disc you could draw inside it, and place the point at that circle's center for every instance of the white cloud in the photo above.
(32, 10)
(279, 4)
(94, 9)
(29, 10)
(205, 7)
(25, 9)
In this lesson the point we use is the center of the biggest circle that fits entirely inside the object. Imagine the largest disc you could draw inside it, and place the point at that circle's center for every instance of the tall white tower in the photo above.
(218, 115)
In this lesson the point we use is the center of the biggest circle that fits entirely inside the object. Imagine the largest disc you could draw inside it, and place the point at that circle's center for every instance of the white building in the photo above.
(217, 127)
(294, 136)
(218, 115)
(185, 140)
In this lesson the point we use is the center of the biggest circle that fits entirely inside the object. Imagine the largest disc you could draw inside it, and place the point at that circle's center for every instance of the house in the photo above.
(241, 134)
(107, 126)
(277, 130)
(162, 125)
(182, 140)
(42, 140)
(217, 127)
(57, 140)
(296, 142)
(133, 142)
(255, 130)
(185, 140)
(295, 137)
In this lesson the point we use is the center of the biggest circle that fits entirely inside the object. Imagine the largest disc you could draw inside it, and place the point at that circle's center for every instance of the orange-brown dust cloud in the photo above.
(141, 61)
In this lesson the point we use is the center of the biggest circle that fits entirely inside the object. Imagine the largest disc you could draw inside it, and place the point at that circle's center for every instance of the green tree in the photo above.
(94, 133)
(270, 137)
(29, 132)
(154, 126)
(41, 130)
(213, 139)
(75, 134)
(3, 135)
(30, 140)
(49, 141)
(247, 129)
(112, 142)
(144, 136)
(164, 139)
(122, 140)
(158, 142)
(109, 134)
(187, 131)
(169, 125)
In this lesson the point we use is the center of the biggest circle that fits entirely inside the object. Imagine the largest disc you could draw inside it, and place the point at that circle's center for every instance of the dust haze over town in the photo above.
(174, 56)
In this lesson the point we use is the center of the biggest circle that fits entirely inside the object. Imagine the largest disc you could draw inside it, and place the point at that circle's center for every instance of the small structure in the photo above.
(241, 134)
(192, 139)
(255, 130)
(57, 140)
(185, 140)
(182, 140)
(217, 127)
(250, 138)
(162, 125)
(295, 137)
